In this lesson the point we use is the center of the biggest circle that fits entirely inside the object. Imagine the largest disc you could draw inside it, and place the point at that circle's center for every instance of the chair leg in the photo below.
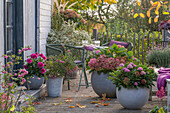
(80, 79)
(86, 80)
(68, 84)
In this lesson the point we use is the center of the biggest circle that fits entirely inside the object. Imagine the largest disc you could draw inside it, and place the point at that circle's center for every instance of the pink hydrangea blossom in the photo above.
(136, 84)
(142, 72)
(121, 65)
(140, 69)
(130, 66)
(61, 61)
(98, 51)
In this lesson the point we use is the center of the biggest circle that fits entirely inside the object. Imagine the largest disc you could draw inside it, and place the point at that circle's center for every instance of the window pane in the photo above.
(9, 14)
(9, 39)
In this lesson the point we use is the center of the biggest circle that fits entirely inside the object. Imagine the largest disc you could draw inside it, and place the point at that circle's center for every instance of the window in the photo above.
(9, 26)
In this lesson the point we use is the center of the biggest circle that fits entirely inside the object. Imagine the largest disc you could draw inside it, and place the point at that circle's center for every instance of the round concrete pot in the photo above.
(101, 84)
(132, 98)
(54, 87)
(34, 83)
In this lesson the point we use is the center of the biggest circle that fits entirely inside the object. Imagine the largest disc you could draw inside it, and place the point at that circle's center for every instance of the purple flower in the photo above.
(140, 69)
(98, 51)
(134, 65)
(142, 72)
(40, 65)
(121, 65)
(129, 66)
(136, 84)
(29, 61)
(43, 70)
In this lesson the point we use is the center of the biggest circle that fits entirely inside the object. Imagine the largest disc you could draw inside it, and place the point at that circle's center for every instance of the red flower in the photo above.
(29, 61)
(33, 56)
(25, 66)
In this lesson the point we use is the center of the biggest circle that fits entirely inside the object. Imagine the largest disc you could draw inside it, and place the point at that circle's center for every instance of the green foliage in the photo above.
(159, 57)
(68, 35)
(10, 95)
(60, 65)
(157, 109)
(132, 75)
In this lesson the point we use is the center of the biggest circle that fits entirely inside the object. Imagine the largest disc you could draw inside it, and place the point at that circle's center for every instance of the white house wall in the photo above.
(45, 23)
(29, 25)
(1, 33)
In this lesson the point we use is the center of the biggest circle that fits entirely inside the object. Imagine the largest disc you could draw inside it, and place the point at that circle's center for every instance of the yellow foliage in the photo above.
(136, 15)
(142, 15)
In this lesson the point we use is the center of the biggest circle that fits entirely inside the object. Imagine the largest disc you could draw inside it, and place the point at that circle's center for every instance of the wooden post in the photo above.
(95, 34)
(134, 45)
(148, 42)
(115, 36)
(103, 38)
(143, 47)
(138, 44)
(153, 40)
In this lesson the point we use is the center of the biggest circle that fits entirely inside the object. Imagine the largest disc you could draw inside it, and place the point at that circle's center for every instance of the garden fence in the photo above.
(142, 42)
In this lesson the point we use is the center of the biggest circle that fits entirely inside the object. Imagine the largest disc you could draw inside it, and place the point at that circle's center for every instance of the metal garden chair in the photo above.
(78, 52)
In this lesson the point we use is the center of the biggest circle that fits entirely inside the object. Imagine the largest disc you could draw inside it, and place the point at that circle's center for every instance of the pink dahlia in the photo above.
(40, 65)
(29, 61)
(43, 70)
(33, 56)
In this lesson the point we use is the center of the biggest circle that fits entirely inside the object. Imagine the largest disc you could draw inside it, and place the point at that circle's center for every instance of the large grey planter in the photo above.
(54, 87)
(101, 84)
(132, 98)
(34, 83)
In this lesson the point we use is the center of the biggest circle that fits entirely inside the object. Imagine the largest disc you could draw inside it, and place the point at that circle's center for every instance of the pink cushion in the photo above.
(125, 44)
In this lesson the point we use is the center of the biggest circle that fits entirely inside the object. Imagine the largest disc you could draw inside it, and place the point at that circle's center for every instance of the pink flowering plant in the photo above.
(60, 65)
(35, 65)
(133, 75)
(108, 59)
(10, 78)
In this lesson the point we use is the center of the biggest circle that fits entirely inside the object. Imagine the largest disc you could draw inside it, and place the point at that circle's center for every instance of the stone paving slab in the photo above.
(84, 97)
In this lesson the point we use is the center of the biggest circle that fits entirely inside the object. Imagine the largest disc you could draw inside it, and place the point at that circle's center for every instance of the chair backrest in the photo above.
(54, 49)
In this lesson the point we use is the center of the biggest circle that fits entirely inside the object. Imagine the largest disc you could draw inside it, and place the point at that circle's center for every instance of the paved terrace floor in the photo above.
(84, 97)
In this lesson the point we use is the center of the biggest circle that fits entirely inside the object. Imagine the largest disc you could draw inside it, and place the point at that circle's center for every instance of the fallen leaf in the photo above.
(71, 106)
(104, 104)
(96, 105)
(68, 100)
(104, 96)
(57, 103)
(95, 102)
(108, 99)
(82, 106)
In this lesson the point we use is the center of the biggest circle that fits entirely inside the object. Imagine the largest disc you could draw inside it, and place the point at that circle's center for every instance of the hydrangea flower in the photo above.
(142, 72)
(121, 65)
(140, 69)
(130, 66)
(136, 84)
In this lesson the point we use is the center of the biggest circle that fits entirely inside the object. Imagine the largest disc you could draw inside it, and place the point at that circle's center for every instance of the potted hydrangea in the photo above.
(58, 67)
(133, 82)
(105, 61)
(36, 70)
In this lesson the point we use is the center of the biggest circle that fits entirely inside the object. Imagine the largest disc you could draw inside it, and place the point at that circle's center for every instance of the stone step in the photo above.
(33, 93)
